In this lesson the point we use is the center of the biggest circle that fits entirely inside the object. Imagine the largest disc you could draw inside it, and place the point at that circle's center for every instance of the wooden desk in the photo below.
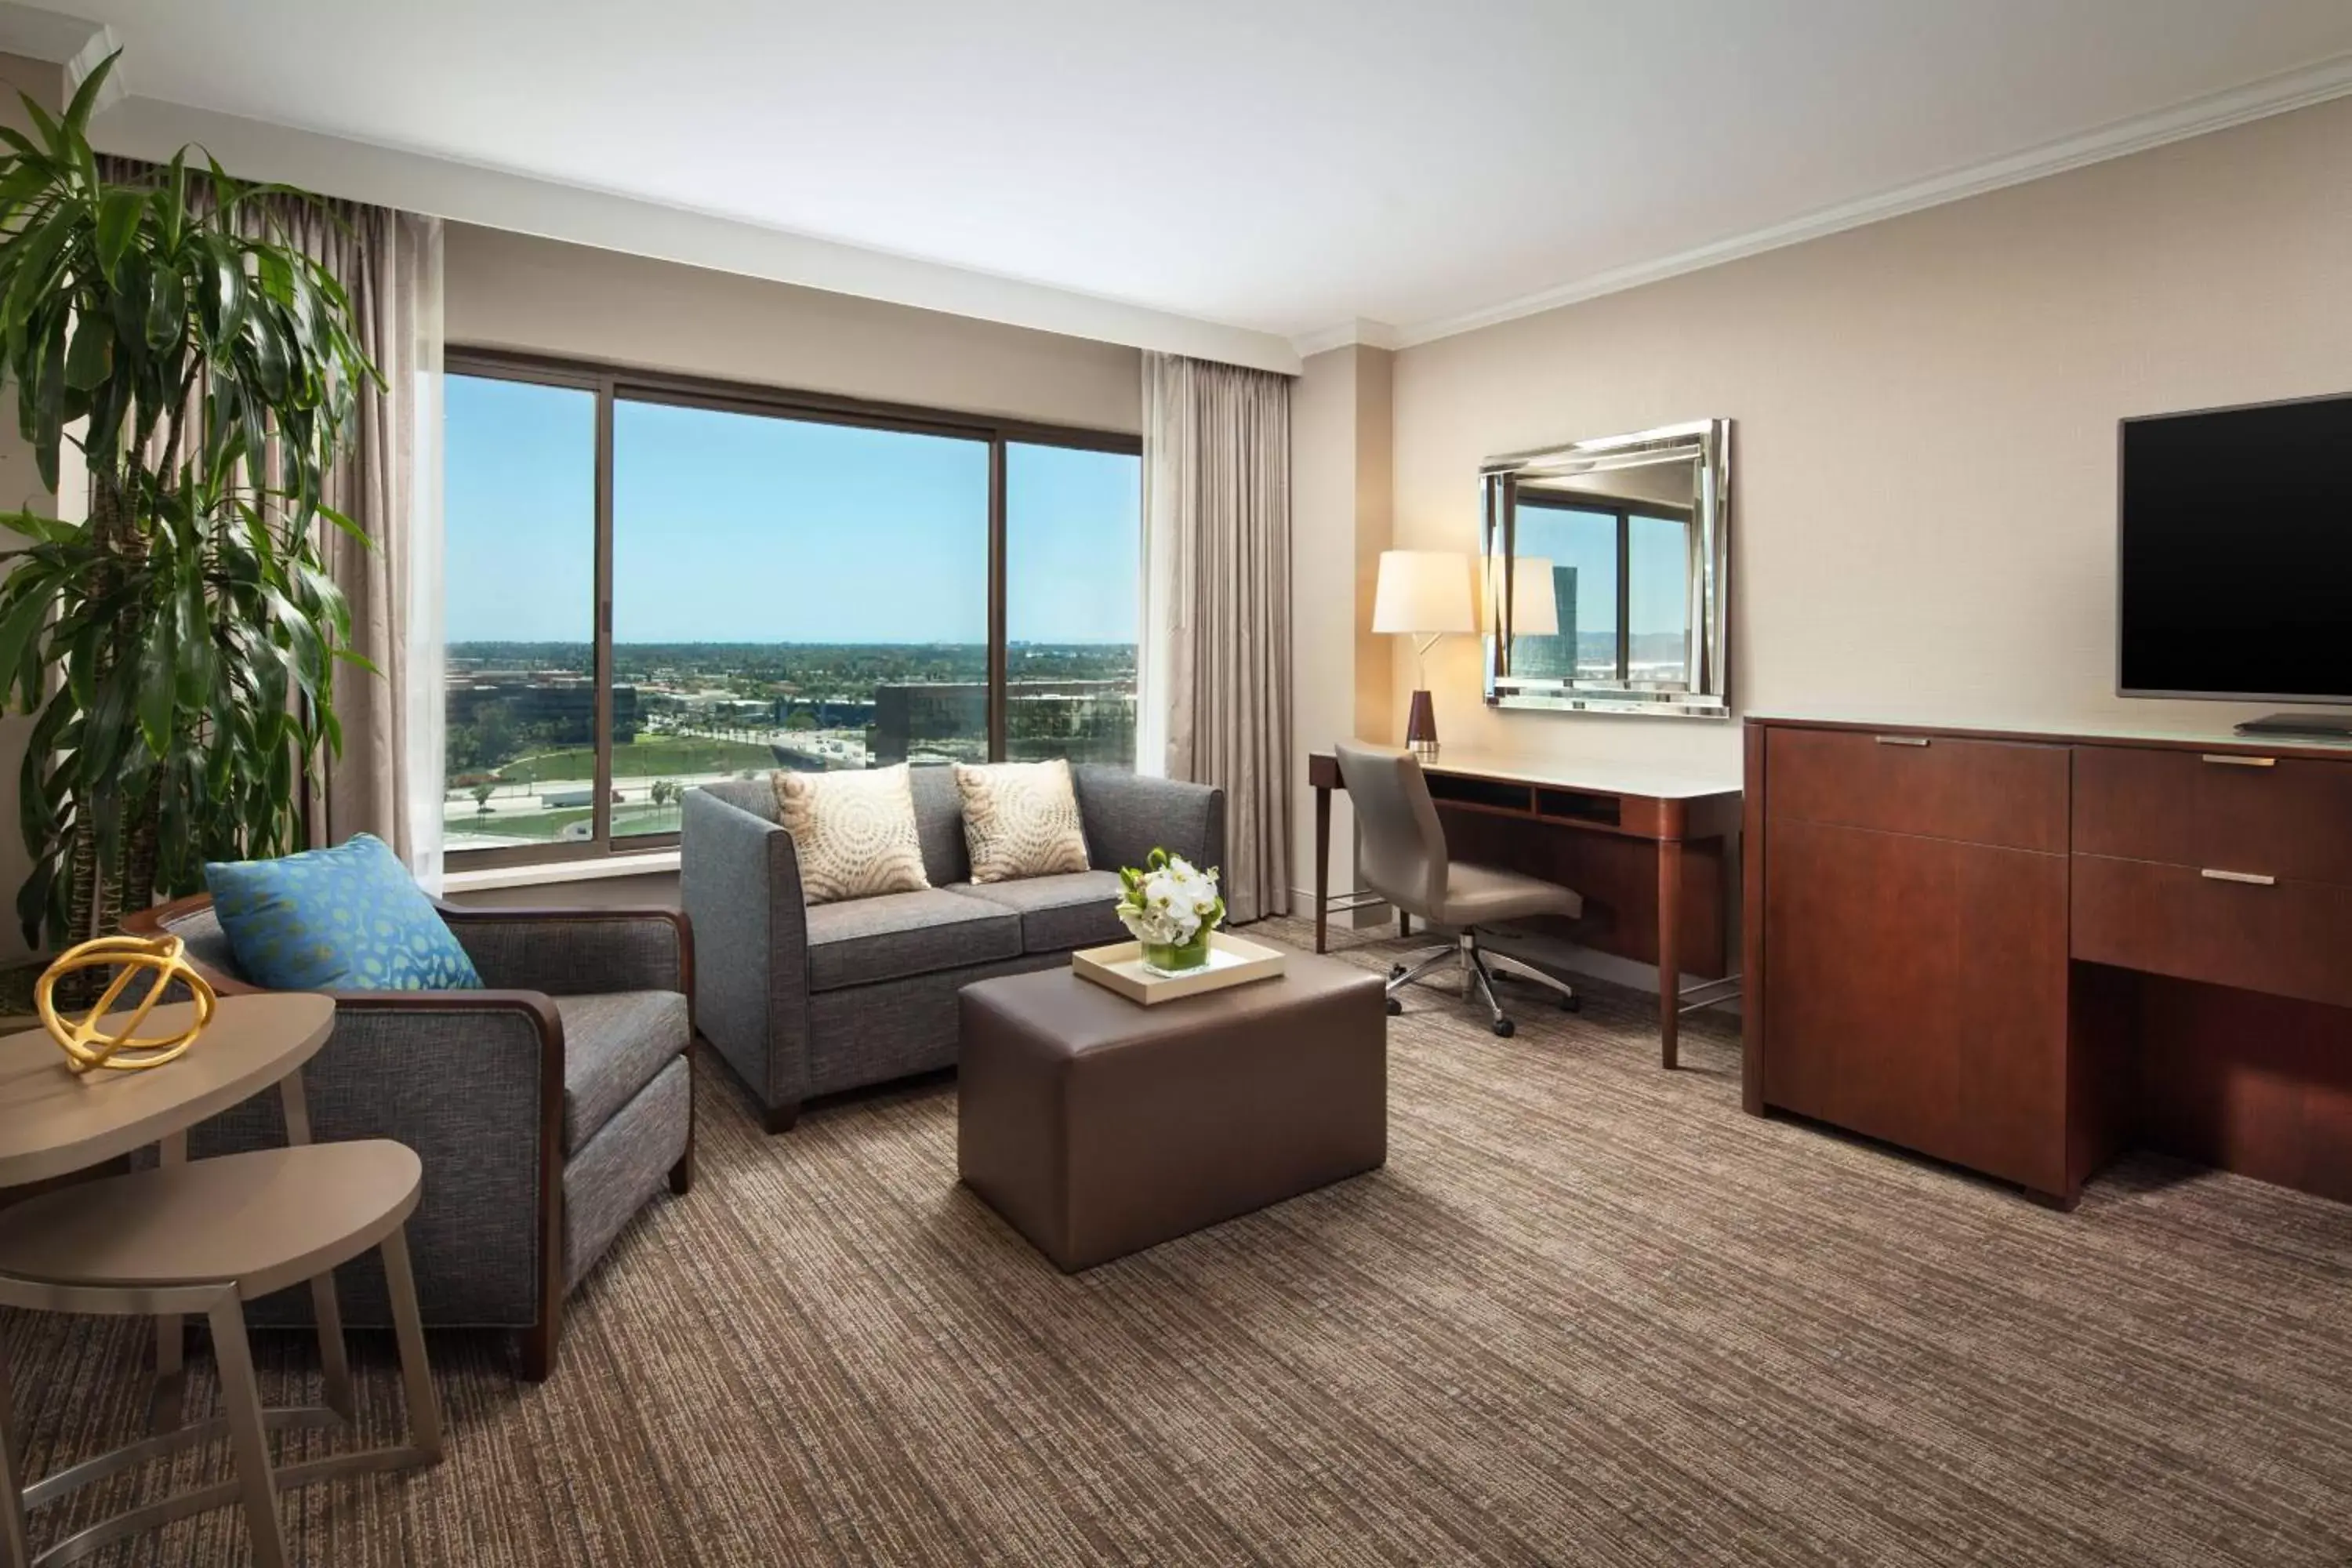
(1643, 847)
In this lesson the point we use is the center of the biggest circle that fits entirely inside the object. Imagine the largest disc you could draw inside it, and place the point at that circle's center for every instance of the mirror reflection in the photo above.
(1605, 560)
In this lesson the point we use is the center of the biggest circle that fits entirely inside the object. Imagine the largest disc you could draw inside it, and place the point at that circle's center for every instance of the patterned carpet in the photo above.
(1589, 1313)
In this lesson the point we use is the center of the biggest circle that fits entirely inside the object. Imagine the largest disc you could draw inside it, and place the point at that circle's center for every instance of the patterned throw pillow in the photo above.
(1021, 819)
(853, 832)
(346, 918)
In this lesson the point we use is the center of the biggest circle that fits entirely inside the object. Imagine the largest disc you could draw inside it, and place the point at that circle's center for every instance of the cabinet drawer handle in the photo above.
(2229, 761)
(2251, 878)
(1901, 740)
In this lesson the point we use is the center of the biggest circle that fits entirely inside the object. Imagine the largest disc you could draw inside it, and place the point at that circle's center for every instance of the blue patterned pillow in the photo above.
(346, 918)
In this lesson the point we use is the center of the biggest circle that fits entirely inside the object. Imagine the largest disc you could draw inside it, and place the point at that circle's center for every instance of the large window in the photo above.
(1072, 546)
(652, 586)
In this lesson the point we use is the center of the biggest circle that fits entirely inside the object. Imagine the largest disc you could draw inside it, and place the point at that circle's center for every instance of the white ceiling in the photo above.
(1280, 165)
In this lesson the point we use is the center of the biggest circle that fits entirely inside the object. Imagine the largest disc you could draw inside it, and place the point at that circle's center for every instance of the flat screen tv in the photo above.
(2236, 553)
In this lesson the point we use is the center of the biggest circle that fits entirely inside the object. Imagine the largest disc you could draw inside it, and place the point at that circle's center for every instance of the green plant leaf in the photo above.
(50, 410)
(118, 225)
(167, 308)
(84, 97)
(25, 614)
(90, 359)
(158, 687)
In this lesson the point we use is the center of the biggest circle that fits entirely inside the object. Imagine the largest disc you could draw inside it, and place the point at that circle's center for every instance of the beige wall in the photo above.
(1340, 467)
(1925, 429)
(513, 291)
(20, 490)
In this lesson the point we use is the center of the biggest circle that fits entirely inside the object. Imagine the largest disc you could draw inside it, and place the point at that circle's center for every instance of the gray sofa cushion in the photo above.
(756, 795)
(938, 822)
(860, 940)
(614, 1046)
(1071, 908)
(606, 1183)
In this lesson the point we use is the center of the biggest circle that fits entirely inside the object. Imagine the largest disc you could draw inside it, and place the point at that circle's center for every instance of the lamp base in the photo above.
(1421, 728)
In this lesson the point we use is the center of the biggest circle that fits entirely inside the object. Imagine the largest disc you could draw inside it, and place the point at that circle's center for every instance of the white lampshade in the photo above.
(1424, 590)
(1535, 611)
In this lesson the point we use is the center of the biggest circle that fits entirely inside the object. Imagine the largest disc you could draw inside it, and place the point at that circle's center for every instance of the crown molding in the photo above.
(1354, 331)
(2289, 90)
(51, 37)
(88, 58)
(496, 198)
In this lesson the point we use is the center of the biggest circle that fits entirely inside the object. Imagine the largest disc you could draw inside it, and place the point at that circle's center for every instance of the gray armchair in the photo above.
(547, 1110)
(802, 1002)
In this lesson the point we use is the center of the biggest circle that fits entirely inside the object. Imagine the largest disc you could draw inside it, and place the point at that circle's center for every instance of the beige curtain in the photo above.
(387, 780)
(1215, 664)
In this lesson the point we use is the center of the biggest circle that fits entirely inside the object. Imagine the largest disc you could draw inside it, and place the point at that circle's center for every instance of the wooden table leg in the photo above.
(164, 1402)
(1322, 869)
(1669, 947)
(326, 1311)
(248, 1436)
(14, 1535)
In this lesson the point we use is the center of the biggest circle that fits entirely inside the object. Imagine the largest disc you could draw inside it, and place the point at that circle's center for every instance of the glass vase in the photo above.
(1170, 959)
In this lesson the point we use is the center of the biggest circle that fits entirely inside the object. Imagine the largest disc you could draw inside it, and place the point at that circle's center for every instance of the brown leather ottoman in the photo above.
(1100, 1127)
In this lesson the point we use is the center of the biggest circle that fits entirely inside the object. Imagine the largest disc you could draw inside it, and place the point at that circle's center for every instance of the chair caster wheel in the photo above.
(1396, 1008)
(1505, 1028)
(1572, 1004)
(1396, 971)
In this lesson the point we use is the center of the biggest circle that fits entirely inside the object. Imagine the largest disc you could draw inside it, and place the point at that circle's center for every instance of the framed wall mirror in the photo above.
(1607, 575)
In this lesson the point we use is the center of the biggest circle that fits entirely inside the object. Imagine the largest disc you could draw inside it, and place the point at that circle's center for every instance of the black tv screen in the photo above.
(2236, 557)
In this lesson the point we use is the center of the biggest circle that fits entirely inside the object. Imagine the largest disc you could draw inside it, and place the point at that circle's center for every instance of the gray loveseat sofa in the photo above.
(806, 1001)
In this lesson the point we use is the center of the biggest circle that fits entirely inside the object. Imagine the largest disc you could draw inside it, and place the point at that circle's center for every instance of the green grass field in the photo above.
(649, 757)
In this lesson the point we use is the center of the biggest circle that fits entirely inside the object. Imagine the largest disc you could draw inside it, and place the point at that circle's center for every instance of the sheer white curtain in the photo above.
(388, 780)
(423, 697)
(1215, 669)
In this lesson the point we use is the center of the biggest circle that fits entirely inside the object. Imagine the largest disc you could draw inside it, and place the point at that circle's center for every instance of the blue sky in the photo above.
(1588, 541)
(740, 528)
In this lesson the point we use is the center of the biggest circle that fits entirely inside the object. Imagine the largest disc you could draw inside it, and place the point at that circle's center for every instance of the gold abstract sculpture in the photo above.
(97, 1040)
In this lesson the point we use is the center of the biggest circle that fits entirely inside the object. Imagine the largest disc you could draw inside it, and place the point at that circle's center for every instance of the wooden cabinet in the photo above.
(2003, 792)
(2243, 813)
(2019, 953)
(2280, 937)
(1917, 984)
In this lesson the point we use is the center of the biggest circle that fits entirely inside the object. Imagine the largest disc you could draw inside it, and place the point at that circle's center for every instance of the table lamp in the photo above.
(1423, 594)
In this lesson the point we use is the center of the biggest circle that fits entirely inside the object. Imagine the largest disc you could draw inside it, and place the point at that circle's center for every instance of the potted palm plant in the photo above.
(176, 646)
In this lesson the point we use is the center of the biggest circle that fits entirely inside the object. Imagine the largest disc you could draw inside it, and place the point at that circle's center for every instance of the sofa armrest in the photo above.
(739, 881)
(1129, 814)
(473, 1081)
(577, 952)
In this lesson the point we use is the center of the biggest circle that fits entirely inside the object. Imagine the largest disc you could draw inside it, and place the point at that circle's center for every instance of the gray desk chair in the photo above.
(1405, 860)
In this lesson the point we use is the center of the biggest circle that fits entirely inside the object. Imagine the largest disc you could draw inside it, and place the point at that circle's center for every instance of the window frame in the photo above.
(611, 385)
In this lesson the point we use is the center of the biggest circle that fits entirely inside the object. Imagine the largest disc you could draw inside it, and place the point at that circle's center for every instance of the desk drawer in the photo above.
(2289, 817)
(2286, 938)
(2002, 794)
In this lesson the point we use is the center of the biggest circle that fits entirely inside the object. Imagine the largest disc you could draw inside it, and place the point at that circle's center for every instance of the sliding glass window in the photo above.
(519, 609)
(783, 582)
(1073, 597)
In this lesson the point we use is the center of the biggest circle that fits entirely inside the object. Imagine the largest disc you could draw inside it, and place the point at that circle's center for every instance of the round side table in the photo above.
(201, 1237)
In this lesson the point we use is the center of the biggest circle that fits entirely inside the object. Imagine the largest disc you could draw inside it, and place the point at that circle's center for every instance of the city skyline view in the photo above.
(786, 593)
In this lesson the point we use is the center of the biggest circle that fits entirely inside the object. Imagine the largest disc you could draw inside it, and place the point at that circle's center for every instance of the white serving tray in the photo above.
(1232, 961)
